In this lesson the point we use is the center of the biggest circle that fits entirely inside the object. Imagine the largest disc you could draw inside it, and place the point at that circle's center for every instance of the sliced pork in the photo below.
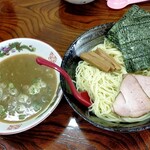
(132, 100)
(144, 82)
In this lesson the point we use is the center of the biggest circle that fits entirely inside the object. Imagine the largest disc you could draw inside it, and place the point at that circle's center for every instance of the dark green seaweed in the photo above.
(131, 34)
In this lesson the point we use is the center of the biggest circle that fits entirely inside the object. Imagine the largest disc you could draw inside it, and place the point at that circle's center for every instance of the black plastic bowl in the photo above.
(85, 42)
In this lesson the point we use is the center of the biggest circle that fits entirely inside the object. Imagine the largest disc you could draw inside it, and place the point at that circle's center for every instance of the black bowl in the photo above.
(85, 42)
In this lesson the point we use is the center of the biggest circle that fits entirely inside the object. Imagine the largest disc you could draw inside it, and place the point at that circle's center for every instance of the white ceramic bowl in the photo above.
(79, 1)
(46, 51)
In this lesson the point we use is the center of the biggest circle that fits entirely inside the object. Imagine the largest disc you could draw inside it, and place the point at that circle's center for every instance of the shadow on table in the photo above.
(80, 16)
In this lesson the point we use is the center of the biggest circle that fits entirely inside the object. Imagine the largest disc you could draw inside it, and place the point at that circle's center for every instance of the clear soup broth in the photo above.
(26, 88)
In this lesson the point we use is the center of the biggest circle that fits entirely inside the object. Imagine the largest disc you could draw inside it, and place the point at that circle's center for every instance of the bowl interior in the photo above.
(84, 43)
(25, 46)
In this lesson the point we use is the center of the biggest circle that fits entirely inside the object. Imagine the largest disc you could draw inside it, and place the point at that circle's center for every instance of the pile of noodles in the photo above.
(103, 87)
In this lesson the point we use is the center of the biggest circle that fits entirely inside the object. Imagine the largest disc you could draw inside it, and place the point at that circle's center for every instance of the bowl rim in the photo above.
(79, 2)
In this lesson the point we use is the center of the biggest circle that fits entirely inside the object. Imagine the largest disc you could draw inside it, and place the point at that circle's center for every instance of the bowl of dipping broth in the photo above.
(108, 110)
(79, 1)
(29, 93)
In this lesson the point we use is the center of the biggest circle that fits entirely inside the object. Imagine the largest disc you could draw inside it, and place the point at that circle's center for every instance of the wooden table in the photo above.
(58, 23)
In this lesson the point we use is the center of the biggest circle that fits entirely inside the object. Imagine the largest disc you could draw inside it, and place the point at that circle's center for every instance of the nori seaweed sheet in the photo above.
(131, 34)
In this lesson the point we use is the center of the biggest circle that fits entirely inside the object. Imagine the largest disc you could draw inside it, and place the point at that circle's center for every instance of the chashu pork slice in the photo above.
(120, 106)
(132, 101)
(144, 82)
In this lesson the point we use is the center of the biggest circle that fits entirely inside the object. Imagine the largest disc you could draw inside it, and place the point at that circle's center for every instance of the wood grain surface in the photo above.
(58, 23)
